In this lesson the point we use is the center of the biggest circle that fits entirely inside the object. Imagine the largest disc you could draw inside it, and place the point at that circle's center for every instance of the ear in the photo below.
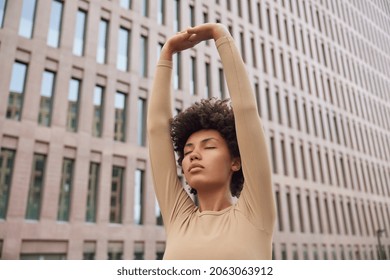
(236, 164)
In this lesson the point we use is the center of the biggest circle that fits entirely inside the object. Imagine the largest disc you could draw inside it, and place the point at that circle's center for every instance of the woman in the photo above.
(213, 166)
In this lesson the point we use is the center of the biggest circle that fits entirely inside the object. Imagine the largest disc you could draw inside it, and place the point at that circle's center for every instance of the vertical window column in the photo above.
(123, 49)
(26, 24)
(16, 91)
(101, 55)
(98, 104)
(117, 185)
(120, 116)
(92, 195)
(141, 133)
(3, 5)
(54, 34)
(7, 159)
(139, 190)
(161, 12)
(126, 4)
(73, 105)
(46, 102)
(193, 76)
(176, 16)
(35, 192)
(65, 189)
(144, 55)
(79, 39)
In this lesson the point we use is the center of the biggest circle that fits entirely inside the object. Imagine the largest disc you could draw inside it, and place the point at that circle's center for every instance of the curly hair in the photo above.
(208, 114)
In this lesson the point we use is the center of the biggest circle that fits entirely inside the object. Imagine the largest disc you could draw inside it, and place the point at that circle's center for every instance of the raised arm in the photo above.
(168, 188)
(257, 198)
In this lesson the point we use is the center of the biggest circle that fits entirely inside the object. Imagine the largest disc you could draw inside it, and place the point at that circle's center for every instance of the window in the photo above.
(36, 187)
(207, 89)
(288, 114)
(53, 37)
(138, 196)
(159, 219)
(73, 105)
(242, 46)
(15, 98)
(239, 8)
(278, 107)
(160, 249)
(126, 4)
(123, 49)
(249, 10)
(176, 16)
(139, 251)
(318, 206)
(273, 155)
(101, 55)
(192, 15)
(177, 70)
(115, 250)
(263, 52)
(65, 190)
(145, 8)
(161, 12)
(259, 15)
(279, 210)
(43, 256)
(257, 96)
(228, 5)
(290, 212)
(303, 162)
(269, 105)
(98, 101)
(193, 80)
(144, 56)
(253, 48)
(120, 117)
(308, 202)
(3, 4)
(141, 121)
(294, 164)
(89, 250)
(269, 21)
(117, 184)
(274, 70)
(284, 158)
(222, 83)
(277, 25)
(300, 213)
(93, 184)
(46, 102)
(7, 159)
(26, 24)
(78, 43)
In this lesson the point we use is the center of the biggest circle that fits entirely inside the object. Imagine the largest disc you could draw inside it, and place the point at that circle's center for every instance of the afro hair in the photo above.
(208, 114)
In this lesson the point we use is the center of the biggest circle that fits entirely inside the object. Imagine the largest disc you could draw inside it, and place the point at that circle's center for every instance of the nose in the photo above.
(194, 155)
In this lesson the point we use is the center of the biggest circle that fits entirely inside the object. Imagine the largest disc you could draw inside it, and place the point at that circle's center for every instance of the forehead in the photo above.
(204, 134)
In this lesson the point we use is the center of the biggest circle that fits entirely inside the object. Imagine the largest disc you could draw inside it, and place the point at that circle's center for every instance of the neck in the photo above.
(214, 201)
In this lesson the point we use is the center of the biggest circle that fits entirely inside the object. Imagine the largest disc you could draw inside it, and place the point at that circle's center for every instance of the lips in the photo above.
(195, 165)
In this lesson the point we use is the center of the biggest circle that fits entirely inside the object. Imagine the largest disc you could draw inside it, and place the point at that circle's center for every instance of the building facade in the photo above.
(75, 79)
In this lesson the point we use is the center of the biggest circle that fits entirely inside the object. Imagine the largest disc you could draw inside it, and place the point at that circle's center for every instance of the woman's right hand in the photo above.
(177, 43)
(192, 36)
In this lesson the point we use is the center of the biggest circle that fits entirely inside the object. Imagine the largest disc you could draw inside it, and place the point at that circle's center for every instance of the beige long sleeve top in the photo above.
(241, 231)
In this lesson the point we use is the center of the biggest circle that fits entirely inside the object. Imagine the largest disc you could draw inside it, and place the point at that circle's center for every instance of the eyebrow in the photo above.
(203, 141)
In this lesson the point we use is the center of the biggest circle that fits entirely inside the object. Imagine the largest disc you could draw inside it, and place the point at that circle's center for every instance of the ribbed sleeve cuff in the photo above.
(165, 63)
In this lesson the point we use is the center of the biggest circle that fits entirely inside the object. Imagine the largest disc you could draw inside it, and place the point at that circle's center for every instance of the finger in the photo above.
(192, 37)
(192, 30)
